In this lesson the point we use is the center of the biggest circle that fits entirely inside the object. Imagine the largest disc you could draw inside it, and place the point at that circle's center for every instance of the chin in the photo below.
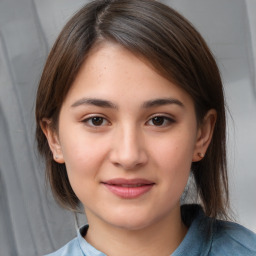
(133, 221)
(133, 225)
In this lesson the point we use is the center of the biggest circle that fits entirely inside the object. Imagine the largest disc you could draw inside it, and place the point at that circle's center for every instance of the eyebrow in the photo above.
(109, 104)
(95, 102)
(161, 102)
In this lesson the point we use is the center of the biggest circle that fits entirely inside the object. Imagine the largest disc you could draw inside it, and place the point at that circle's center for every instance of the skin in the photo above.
(125, 140)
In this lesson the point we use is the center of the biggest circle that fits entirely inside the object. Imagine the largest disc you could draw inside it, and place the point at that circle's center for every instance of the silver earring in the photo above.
(56, 157)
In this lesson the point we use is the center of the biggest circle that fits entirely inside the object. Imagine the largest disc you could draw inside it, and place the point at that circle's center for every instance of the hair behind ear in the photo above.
(210, 173)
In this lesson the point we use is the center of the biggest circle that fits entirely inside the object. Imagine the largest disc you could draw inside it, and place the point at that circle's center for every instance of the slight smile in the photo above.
(128, 188)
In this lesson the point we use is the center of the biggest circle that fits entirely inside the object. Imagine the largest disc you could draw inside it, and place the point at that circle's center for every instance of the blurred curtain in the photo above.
(30, 221)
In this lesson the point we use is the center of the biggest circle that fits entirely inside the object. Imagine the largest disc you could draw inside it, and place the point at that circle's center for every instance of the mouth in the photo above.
(129, 189)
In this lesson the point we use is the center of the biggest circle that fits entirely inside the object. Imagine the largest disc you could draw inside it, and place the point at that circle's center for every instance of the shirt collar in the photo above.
(86, 248)
(199, 237)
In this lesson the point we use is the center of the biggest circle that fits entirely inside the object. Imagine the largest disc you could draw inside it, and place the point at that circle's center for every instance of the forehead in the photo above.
(113, 72)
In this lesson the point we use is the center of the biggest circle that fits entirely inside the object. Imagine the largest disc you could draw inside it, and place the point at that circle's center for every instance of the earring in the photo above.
(201, 155)
(56, 157)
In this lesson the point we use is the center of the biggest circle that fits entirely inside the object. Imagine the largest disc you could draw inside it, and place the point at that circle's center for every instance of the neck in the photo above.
(161, 238)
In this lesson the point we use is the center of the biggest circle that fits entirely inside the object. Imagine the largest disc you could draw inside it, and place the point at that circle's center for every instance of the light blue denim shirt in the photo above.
(205, 237)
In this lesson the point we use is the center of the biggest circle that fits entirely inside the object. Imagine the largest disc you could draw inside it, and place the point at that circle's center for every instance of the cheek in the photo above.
(79, 155)
(173, 156)
(174, 151)
(83, 158)
(83, 163)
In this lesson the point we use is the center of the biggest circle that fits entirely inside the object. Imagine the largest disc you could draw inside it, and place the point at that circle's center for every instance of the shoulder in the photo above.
(232, 239)
(211, 237)
(71, 248)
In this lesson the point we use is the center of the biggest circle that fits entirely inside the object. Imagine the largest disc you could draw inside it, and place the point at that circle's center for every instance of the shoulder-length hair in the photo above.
(174, 48)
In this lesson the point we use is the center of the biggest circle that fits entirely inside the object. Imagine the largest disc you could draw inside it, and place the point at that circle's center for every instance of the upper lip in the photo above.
(122, 181)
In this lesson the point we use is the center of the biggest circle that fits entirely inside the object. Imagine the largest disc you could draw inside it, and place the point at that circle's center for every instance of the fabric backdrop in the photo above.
(31, 223)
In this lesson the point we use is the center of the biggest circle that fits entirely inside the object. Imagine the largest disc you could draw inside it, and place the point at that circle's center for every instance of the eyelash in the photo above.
(89, 121)
(164, 121)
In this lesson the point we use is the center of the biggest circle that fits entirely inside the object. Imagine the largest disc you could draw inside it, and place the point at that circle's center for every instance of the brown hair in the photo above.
(175, 49)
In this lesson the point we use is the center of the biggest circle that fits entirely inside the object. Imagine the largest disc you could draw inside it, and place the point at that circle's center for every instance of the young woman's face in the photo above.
(127, 137)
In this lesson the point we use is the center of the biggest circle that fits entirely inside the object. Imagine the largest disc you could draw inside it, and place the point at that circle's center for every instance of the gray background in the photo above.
(30, 221)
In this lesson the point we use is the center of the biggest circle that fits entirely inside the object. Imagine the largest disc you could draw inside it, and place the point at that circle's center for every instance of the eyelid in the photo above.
(167, 118)
(88, 118)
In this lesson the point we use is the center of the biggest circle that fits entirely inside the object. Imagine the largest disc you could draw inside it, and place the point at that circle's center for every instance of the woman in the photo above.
(129, 106)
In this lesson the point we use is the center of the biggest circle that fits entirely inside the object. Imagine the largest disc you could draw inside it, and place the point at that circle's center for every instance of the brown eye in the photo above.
(161, 121)
(158, 120)
(97, 120)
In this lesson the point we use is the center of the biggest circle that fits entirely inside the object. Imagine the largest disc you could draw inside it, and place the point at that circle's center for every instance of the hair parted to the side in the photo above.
(174, 48)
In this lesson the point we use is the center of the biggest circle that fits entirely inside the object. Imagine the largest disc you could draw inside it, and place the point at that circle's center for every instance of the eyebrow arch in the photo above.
(95, 102)
(161, 102)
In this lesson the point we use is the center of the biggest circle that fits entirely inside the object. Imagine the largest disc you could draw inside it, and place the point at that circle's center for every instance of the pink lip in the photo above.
(129, 188)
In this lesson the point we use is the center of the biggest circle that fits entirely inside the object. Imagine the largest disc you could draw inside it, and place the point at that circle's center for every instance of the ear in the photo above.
(204, 135)
(53, 140)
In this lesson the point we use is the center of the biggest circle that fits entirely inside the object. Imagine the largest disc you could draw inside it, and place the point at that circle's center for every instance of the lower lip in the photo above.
(129, 192)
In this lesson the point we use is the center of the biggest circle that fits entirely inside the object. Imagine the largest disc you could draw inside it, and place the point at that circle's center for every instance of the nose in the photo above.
(128, 149)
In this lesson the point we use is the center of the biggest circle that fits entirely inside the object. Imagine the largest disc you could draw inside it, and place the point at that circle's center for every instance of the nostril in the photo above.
(128, 151)
(129, 162)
